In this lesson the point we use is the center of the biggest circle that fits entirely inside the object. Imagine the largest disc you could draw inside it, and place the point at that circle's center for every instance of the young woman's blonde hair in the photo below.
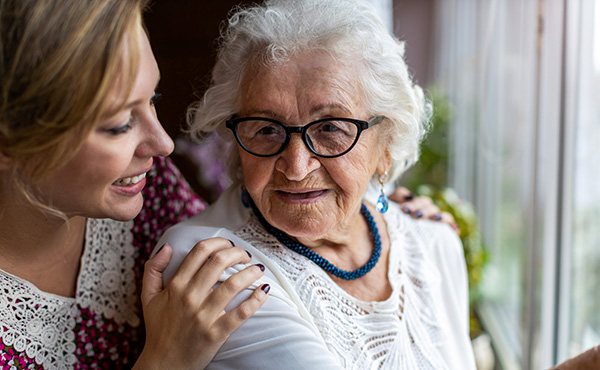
(59, 61)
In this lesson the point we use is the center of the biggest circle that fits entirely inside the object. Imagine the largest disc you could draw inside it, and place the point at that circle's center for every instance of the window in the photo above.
(524, 80)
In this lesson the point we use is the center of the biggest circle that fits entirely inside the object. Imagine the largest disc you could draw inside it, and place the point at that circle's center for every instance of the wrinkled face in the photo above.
(106, 177)
(304, 195)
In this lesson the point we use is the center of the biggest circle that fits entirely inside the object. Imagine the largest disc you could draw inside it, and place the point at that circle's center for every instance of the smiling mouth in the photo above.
(302, 195)
(126, 181)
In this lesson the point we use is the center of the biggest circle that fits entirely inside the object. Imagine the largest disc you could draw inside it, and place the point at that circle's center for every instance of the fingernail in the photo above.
(261, 266)
(232, 244)
(265, 288)
(409, 197)
(437, 217)
(249, 255)
(160, 249)
(418, 214)
(406, 209)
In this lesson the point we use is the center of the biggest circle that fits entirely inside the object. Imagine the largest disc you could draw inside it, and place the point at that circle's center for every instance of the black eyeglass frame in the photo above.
(289, 130)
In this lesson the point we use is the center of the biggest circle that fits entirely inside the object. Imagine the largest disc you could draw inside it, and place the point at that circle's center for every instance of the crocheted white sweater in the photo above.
(309, 322)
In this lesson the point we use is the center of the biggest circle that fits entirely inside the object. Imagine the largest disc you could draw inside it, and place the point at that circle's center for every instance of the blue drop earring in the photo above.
(383, 202)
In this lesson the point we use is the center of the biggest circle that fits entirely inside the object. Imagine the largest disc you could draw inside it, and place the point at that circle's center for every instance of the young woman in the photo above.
(84, 195)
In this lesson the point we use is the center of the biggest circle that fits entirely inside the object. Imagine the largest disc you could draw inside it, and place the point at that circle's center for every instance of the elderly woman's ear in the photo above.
(385, 162)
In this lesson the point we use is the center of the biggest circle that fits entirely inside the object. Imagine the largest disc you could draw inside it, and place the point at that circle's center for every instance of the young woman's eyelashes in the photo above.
(156, 97)
(121, 129)
(132, 118)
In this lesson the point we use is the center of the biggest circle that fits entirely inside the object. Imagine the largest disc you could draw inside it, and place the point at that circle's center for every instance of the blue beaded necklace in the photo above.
(320, 261)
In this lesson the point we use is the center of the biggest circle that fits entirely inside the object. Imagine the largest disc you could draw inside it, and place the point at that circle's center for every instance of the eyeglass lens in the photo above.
(326, 138)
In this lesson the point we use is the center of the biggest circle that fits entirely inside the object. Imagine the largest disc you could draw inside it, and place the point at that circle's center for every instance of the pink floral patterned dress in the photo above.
(101, 326)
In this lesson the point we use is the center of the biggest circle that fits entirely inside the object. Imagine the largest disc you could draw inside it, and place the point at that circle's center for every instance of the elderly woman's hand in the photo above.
(421, 207)
(185, 322)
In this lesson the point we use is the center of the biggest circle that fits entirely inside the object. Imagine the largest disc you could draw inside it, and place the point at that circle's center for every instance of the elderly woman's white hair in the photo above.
(350, 31)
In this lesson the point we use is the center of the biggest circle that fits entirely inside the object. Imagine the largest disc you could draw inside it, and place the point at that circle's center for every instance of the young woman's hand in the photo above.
(186, 322)
(421, 207)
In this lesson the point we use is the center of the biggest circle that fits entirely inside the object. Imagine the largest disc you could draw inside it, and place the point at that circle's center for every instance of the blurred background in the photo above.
(513, 153)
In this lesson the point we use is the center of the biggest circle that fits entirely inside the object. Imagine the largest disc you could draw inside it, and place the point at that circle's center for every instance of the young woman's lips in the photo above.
(129, 186)
(302, 196)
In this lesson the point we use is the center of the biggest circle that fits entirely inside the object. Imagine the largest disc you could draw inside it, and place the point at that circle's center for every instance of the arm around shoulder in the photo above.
(280, 334)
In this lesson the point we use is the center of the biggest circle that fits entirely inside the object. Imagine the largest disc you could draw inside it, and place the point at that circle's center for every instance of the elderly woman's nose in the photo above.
(297, 161)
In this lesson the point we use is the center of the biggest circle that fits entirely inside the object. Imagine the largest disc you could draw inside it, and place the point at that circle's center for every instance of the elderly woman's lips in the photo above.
(301, 195)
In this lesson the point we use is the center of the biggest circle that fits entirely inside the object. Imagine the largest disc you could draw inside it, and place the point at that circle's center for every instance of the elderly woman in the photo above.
(318, 99)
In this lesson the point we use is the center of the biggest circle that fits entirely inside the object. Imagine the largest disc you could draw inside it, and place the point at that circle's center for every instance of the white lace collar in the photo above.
(41, 324)
(107, 280)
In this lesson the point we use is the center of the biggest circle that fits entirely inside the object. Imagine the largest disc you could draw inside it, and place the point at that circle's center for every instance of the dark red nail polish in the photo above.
(249, 255)
(418, 214)
(232, 244)
(406, 209)
(437, 217)
(409, 197)
(261, 266)
(265, 288)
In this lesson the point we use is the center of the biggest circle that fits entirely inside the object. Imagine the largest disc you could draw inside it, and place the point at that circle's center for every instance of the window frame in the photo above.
(544, 336)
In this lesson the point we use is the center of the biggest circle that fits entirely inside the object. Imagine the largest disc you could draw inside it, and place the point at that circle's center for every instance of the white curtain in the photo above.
(523, 78)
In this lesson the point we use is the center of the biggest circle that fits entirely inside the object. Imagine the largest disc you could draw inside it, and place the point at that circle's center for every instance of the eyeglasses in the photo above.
(327, 138)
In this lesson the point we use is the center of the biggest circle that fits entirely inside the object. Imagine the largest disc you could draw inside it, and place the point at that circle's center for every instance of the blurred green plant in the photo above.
(429, 177)
(432, 167)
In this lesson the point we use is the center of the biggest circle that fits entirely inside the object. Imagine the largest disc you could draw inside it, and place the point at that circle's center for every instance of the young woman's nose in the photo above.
(155, 140)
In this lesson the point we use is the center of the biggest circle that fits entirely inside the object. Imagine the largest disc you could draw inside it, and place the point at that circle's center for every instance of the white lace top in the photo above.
(100, 326)
(309, 322)
(43, 325)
